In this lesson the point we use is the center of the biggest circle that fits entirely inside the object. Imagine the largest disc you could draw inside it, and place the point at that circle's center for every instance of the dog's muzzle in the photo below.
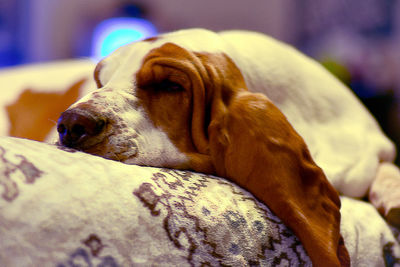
(75, 126)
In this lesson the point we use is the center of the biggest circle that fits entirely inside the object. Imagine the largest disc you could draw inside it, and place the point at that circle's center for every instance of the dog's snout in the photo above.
(75, 126)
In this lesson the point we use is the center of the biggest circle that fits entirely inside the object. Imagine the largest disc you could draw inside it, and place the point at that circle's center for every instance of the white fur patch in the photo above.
(132, 137)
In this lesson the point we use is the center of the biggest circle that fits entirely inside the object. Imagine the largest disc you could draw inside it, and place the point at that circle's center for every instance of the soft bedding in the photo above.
(60, 207)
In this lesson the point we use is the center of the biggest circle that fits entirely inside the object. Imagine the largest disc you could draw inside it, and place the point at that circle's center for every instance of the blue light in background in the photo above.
(115, 32)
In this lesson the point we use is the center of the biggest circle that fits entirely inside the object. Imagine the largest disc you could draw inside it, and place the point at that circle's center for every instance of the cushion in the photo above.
(61, 207)
(35, 94)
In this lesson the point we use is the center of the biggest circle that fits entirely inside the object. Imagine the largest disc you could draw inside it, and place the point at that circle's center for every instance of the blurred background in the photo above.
(358, 40)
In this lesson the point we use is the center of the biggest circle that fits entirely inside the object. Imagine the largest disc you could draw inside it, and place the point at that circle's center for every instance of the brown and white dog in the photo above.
(188, 100)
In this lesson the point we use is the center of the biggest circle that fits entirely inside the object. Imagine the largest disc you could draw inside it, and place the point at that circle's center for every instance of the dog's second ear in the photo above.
(253, 144)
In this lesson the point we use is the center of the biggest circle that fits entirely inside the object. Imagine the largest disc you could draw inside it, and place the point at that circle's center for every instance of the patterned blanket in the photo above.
(60, 207)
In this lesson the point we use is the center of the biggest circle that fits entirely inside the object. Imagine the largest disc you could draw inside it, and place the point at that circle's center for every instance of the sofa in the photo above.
(62, 207)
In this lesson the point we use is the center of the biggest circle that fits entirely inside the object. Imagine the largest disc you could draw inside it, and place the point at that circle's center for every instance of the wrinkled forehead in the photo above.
(122, 64)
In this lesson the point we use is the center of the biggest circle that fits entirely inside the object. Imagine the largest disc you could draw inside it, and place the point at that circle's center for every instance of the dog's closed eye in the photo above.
(167, 86)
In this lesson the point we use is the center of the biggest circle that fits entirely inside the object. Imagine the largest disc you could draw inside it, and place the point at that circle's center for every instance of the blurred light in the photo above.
(115, 32)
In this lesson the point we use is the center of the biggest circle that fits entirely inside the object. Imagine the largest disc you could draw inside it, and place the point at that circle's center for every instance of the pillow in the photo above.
(61, 207)
(36, 94)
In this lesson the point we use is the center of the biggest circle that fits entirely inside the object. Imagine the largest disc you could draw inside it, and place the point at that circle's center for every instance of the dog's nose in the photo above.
(75, 126)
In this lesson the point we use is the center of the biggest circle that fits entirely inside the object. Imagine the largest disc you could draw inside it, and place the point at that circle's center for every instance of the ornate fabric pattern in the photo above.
(217, 223)
(73, 209)
(15, 168)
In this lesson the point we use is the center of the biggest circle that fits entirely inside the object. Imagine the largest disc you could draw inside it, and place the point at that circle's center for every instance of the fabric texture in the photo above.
(60, 207)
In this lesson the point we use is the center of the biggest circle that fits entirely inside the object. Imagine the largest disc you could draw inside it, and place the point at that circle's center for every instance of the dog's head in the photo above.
(154, 101)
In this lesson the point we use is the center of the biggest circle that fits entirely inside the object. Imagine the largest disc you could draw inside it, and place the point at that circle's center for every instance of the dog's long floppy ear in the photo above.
(253, 144)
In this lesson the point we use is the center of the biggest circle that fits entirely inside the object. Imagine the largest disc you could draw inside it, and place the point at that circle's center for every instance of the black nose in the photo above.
(75, 126)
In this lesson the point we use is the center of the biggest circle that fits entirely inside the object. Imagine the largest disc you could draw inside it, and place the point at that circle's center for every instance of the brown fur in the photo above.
(96, 74)
(152, 39)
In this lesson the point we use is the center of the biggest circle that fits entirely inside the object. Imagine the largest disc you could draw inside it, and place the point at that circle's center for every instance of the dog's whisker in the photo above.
(53, 121)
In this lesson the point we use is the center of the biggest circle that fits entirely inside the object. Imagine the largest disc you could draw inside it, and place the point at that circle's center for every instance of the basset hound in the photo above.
(212, 103)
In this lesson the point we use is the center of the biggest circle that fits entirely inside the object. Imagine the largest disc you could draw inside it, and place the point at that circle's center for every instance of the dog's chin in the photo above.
(135, 158)
(126, 150)
(160, 161)
(123, 151)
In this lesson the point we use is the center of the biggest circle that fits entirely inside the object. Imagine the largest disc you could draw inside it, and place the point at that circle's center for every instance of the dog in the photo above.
(235, 104)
